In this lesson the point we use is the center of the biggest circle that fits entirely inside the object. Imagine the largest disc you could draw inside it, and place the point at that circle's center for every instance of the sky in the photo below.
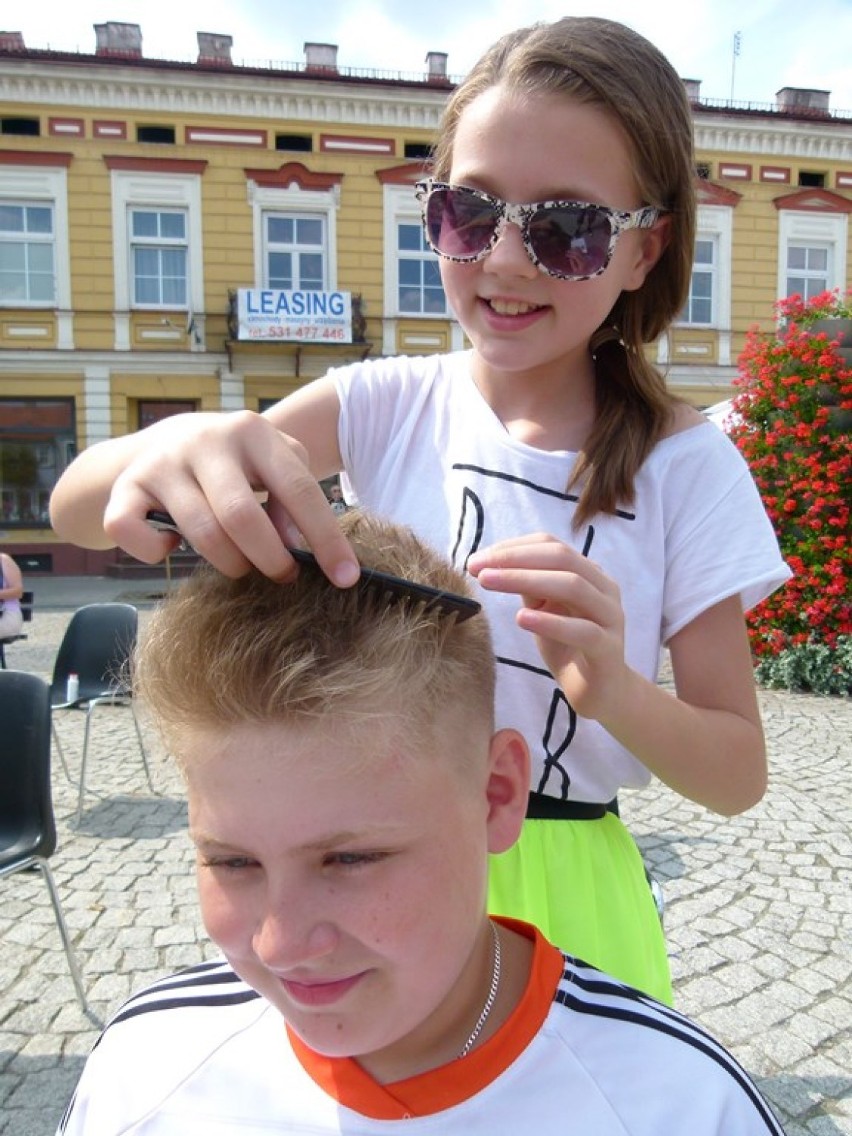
(782, 43)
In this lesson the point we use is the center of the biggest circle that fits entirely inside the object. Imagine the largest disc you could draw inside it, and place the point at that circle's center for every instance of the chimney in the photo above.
(215, 49)
(693, 89)
(12, 41)
(119, 40)
(803, 100)
(436, 64)
(321, 56)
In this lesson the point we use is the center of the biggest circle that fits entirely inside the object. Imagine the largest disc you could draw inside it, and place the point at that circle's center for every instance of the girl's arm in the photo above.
(13, 587)
(706, 742)
(210, 471)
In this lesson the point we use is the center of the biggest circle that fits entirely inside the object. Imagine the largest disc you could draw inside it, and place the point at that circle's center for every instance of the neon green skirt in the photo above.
(583, 883)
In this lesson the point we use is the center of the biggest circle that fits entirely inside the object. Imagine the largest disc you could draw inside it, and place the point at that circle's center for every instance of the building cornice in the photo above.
(285, 96)
(276, 97)
(825, 141)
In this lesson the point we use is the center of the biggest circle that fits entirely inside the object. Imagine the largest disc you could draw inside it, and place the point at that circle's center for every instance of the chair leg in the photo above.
(76, 977)
(142, 748)
(82, 790)
(59, 750)
(90, 710)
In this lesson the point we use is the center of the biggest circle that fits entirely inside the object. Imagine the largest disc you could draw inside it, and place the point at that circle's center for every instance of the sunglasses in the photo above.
(571, 240)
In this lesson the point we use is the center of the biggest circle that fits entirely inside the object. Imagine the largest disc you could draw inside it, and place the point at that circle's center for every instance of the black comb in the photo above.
(393, 587)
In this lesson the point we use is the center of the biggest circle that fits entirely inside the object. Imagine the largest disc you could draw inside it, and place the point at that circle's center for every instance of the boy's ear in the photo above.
(508, 788)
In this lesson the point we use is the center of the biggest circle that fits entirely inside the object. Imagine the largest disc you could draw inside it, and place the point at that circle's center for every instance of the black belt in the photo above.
(540, 806)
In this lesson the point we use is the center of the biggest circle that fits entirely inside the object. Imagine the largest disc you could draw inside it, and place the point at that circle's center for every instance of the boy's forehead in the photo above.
(262, 786)
(357, 740)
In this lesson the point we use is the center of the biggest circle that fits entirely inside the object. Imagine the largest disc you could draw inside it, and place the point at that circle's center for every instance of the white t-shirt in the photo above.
(421, 446)
(200, 1054)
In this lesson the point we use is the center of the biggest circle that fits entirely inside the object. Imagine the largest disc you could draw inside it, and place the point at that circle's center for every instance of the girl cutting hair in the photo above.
(601, 517)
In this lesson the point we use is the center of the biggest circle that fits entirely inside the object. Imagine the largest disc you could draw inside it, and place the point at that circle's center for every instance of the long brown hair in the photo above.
(603, 63)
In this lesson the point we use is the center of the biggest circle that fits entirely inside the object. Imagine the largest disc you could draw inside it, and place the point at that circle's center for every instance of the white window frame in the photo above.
(138, 189)
(809, 275)
(294, 200)
(157, 243)
(294, 248)
(28, 241)
(401, 206)
(813, 230)
(711, 270)
(715, 223)
(46, 185)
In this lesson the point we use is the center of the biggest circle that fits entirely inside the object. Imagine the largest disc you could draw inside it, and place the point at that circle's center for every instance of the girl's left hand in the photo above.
(572, 607)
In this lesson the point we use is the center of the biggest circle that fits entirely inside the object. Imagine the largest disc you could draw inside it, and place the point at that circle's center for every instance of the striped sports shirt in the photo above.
(202, 1053)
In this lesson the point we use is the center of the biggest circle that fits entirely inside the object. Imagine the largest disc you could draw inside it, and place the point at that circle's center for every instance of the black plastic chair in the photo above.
(96, 648)
(27, 825)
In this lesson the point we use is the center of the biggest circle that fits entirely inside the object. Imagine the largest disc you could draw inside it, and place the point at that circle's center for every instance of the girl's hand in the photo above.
(571, 607)
(204, 469)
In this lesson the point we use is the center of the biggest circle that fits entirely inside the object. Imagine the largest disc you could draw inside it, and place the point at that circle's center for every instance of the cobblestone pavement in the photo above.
(758, 917)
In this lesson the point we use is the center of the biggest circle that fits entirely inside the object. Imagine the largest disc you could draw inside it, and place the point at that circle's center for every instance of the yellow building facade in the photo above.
(140, 198)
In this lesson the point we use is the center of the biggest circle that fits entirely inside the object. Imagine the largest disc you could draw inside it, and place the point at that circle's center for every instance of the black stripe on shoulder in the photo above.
(584, 991)
(205, 974)
(206, 984)
(212, 1000)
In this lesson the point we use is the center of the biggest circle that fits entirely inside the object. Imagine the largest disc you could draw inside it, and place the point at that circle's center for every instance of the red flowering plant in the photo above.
(792, 413)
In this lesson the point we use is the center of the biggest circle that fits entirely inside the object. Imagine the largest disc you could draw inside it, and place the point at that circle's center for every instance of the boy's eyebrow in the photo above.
(202, 839)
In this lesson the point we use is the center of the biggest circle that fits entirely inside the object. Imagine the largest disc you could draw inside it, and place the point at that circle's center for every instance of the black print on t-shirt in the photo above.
(560, 724)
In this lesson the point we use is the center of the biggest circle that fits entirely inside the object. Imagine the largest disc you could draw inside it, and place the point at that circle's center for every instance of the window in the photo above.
(709, 300)
(26, 253)
(35, 264)
(420, 291)
(807, 270)
(37, 442)
(155, 410)
(165, 135)
(157, 245)
(303, 143)
(811, 252)
(700, 305)
(294, 251)
(27, 127)
(809, 179)
(420, 150)
(412, 275)
(295, 236)
(159, 257)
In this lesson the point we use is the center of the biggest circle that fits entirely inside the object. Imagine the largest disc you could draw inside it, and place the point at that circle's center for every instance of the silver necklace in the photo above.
(492, 994)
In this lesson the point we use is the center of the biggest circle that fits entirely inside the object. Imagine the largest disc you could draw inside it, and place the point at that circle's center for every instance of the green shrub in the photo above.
(813, 666)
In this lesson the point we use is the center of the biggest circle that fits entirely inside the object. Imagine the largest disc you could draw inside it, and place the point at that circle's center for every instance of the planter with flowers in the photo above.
(792, 421)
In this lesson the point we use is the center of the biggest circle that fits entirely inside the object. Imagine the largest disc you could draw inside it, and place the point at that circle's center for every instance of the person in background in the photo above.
(335, 497)
(346, 787)
(11, 590)
(601, 517)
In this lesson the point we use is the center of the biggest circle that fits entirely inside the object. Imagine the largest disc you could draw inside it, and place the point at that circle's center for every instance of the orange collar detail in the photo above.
(442, 1088)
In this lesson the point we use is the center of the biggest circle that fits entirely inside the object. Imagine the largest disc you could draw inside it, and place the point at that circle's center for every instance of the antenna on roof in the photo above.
(738, 39)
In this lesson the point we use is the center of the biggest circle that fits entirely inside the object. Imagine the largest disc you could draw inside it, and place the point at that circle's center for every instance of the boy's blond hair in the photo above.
(221, 652)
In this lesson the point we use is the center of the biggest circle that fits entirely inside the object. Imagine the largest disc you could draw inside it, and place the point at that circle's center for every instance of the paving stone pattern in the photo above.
(758, 915)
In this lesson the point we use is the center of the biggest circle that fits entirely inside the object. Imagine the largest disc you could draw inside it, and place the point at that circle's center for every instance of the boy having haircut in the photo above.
(346, 788)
